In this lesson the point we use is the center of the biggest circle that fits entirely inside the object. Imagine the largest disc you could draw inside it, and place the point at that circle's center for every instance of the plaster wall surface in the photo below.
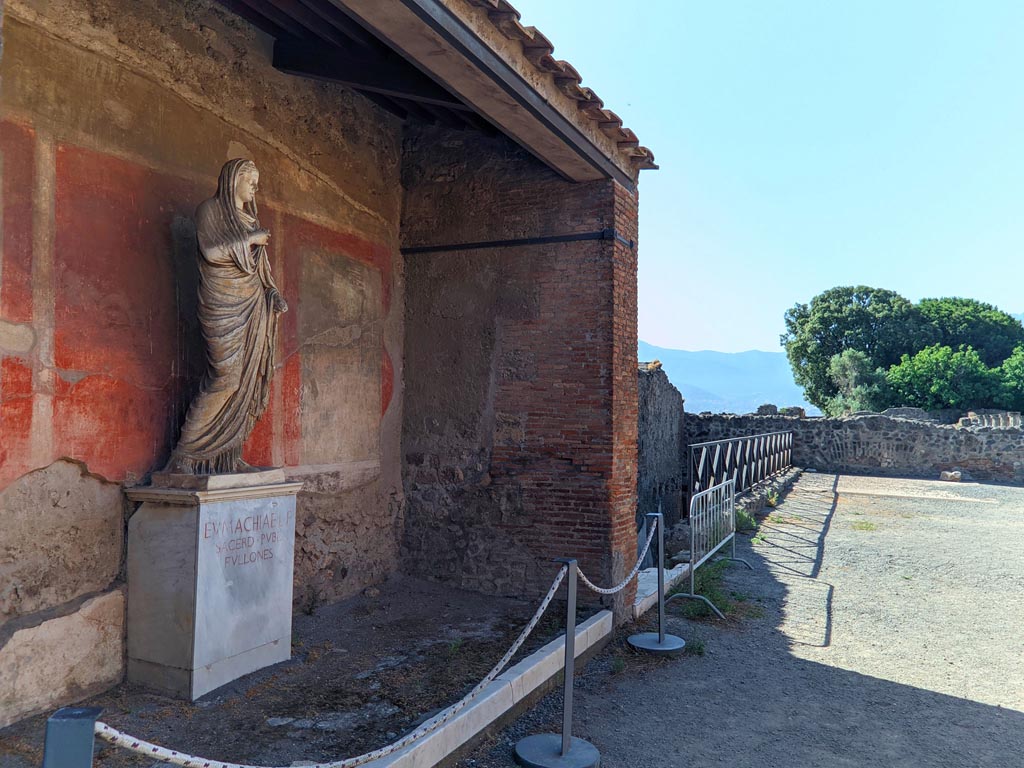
(880, 445)
(520, 410)
(115, 119)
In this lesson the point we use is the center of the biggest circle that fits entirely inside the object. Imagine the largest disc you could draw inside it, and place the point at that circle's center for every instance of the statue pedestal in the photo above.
(210, 560)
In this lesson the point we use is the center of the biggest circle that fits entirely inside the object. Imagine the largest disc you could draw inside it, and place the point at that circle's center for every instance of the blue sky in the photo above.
(805, 145)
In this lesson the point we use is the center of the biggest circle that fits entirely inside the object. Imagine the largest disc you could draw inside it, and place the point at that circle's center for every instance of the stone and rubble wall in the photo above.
(660, 446)
(114, 124)
(994, 419)
(521, 393)
(880, 445)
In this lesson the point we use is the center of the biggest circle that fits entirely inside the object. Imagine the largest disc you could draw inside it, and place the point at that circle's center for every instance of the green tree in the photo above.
(1011, 374)
(880, 323)
(937, 377)
(965, 322)
(861, 386)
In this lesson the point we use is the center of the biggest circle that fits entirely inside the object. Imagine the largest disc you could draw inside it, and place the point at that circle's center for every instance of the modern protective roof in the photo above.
(464, 63)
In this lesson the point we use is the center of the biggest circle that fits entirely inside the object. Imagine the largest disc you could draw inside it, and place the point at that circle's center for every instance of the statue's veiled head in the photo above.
(238, 183)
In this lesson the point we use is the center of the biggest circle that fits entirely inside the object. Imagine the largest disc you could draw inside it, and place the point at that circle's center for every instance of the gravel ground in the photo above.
(881, 625)
(363, 671)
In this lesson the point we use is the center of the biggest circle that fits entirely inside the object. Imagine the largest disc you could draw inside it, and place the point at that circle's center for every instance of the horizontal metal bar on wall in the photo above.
(601, 234)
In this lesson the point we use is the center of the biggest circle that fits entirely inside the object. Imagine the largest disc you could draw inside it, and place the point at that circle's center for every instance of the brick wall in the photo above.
(521, 401)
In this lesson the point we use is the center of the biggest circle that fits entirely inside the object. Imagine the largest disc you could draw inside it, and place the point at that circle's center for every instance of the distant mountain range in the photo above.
(728, 382)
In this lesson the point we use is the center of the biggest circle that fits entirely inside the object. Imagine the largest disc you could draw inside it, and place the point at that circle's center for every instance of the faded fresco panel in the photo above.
(340, 335)
(17, 338)
(17, 178)
(122, 282)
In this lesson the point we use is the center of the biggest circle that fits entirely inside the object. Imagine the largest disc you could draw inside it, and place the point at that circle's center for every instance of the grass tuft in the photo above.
(708, 583)
(694, 648)
(745, 521)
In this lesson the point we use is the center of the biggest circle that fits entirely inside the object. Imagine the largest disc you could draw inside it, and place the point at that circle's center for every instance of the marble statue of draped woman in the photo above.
(238, 309)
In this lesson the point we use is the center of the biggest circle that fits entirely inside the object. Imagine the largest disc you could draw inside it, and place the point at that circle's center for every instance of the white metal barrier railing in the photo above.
(712, 527)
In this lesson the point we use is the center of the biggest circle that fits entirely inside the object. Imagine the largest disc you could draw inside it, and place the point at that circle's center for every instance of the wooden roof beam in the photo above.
(394, 79)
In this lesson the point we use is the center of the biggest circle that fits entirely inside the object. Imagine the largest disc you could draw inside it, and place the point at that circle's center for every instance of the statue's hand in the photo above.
(259, 237)
(278, 302)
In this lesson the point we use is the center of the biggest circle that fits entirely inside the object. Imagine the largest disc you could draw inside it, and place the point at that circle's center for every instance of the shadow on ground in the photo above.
(837, 653)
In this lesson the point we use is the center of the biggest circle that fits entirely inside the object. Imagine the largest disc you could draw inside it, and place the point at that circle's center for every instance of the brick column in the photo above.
(520, 421)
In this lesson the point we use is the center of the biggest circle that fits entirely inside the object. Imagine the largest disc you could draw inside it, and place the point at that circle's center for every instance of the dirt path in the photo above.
(883, 627)
(362, 672)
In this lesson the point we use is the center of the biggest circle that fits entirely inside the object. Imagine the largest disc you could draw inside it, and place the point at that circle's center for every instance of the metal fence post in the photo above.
(658, 642)
(569, 665)
(551, 750)
(69, 737)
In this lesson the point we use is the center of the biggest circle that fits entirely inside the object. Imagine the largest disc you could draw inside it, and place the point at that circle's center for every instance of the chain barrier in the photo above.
(636, 569)
(154, 751)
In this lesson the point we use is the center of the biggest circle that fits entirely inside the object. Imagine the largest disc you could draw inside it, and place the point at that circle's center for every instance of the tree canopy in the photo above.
(878, 322)
(1011, 375)
(861, 386)
(992, 333)
(937, 378)
(860, 348)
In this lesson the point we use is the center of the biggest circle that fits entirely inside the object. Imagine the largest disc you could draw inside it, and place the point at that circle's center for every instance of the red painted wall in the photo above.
(119, 313)
(17, 144)
(121, 367)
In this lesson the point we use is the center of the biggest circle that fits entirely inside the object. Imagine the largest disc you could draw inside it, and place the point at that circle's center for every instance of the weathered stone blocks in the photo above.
(61, 538)
(659, 445)
(64, 659)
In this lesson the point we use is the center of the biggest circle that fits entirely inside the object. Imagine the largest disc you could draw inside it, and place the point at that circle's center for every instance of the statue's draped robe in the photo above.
(239, 325)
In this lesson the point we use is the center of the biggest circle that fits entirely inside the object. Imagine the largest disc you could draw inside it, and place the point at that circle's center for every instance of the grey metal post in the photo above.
(659, 520)
(548, 750)
(658, 642)
(69, 737)
(570, 656)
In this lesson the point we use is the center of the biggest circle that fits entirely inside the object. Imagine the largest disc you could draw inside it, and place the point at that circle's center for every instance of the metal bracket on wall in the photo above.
(608, 233)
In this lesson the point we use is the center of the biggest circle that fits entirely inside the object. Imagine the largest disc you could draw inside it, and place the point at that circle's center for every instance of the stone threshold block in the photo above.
(210, 561)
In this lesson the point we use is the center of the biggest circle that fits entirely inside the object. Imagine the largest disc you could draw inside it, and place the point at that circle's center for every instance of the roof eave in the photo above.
(504, 71)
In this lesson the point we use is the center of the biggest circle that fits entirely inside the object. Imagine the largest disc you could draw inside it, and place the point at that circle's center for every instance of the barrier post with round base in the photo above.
(544, 750)
(549, 750)
(658, 643)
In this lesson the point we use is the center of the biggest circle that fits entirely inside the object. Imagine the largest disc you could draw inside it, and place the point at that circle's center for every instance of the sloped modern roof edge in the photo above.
(505, 72)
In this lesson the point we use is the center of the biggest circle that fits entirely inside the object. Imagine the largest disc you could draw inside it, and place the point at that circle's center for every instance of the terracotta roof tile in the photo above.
(537, 49)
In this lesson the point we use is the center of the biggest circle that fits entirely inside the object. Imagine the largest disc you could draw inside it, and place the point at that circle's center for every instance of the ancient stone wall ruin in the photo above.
(660, 446)
(880, 445)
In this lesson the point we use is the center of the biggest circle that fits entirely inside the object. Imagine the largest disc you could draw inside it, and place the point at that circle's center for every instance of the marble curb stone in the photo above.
(507, 690)
(647, 587)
